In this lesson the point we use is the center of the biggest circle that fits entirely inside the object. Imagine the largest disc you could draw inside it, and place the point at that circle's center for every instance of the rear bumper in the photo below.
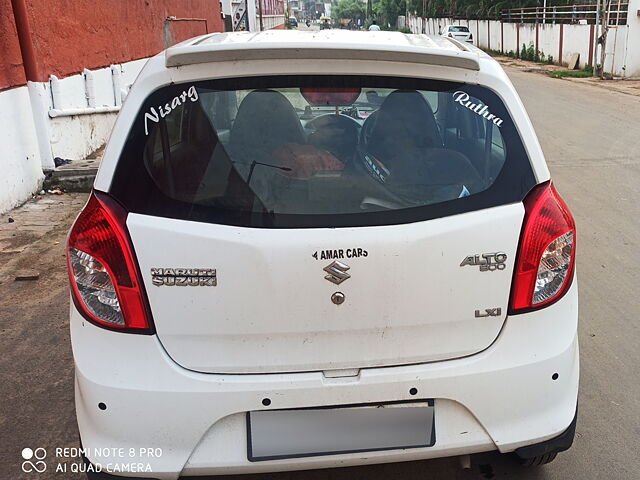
(503, 398)
(554, 445)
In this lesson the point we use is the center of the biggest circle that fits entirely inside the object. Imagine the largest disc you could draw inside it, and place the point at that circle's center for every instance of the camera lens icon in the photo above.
(38, 465)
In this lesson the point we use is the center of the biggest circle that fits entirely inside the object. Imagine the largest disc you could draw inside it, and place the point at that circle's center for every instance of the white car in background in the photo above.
(282, 269)
(459, 32)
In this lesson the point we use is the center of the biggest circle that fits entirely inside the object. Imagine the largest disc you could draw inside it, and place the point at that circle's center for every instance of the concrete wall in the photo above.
(11, 70)
(273, 8)
(74, 137)
(272, 15)
(71, 35)
(557, 40)
(273, 22)
(632, 55)
(70, 136)
(21, 171)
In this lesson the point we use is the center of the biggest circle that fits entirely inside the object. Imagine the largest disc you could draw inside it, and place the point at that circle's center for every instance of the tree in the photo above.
(350, 9)
(478, 8)
(387, 11)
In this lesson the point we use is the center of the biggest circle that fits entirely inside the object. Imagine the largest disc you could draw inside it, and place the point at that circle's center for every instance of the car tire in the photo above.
(545, 452)
(539, 460)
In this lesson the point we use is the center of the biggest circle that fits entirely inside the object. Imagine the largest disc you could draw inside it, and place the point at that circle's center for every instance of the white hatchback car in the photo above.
(321, 249)
(459, 32)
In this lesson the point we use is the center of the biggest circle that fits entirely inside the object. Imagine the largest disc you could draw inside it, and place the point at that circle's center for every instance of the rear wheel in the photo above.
(539, 460)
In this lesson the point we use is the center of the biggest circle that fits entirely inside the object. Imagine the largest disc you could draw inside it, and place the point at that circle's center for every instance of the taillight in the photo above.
(105, 282)
(546, 254)
(450, 35)
(471, 36)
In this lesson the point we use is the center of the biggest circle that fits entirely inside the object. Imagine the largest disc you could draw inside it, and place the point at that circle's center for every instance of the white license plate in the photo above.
(311, 432)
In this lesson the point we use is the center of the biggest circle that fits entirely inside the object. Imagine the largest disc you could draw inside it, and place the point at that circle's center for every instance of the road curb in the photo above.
(70, 180)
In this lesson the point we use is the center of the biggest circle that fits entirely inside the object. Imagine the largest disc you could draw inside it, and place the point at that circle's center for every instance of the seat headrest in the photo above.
(404, 122)
(265, 120)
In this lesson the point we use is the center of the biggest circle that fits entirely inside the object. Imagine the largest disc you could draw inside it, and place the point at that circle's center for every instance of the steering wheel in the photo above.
(337, 134)
(331, 120)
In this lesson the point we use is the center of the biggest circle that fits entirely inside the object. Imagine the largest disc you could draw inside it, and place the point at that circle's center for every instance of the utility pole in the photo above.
(595, 52)
(406, 15)
(544, 12)
(260, 15)
(605, 26)
(424, 16)
(286, 13)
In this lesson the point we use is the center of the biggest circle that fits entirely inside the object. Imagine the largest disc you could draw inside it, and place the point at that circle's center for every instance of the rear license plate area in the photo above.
(309, 432)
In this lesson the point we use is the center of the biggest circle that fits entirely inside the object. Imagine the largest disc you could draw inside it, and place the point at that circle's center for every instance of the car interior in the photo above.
(319, 151)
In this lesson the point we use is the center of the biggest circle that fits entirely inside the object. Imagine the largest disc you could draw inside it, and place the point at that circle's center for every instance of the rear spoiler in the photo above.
(195, 53)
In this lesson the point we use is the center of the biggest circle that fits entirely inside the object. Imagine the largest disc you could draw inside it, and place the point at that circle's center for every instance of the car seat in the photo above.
(403, 124)
(265, 121)
(405, 139)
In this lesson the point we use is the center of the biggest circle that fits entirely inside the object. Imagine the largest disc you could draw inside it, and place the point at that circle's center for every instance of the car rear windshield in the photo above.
(320, 151)
(459, 29)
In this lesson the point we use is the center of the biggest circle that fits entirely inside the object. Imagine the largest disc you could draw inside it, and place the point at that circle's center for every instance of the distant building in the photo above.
(294, 9)
(245, 14)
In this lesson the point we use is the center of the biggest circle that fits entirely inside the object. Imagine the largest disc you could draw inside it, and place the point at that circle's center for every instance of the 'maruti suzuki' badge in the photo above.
(184, 277)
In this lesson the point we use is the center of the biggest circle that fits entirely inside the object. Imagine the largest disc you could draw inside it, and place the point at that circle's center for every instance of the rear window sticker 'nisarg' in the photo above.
(164, 110)
(479, 108)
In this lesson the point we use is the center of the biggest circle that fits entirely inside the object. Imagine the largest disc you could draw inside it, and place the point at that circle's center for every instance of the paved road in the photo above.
(592, 141)
(591, 138)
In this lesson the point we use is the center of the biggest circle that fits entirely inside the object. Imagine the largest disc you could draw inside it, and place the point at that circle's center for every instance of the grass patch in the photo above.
(587, 72)
(494, 53)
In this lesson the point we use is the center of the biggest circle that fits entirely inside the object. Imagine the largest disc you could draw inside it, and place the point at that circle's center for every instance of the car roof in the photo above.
(323, 45)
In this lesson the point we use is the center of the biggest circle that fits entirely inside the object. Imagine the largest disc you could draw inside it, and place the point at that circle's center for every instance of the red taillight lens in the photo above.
(450, 35)
(546, 254)
(105, 282)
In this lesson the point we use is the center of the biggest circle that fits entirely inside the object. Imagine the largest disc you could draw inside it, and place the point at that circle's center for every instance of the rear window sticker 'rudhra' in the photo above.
(479, 108)
(164, 110)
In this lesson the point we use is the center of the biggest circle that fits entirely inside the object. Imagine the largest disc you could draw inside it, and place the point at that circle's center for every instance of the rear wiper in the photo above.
(255, 163)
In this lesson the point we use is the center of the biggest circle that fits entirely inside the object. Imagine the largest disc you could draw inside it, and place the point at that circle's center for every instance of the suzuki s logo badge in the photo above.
(337, 272)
